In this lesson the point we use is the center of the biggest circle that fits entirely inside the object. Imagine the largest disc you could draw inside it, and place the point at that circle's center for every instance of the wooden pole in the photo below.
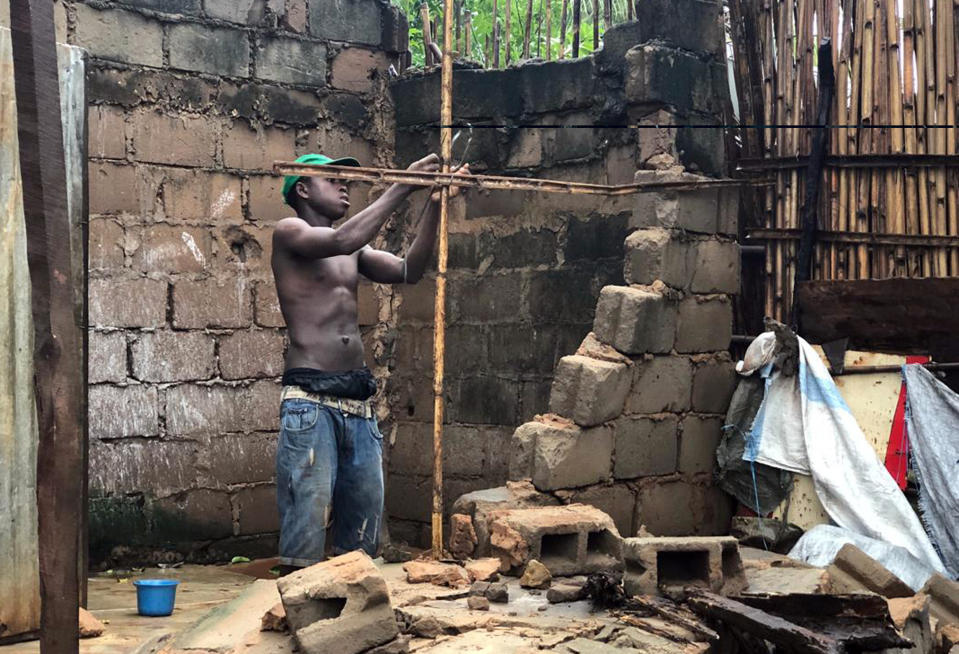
(595, 25)
(468, 33)
(439, 318)
(527, 34)
(427, 38)
(506, 41)
(549, 31)
(58, 340)
(562, 29)
(577, 14)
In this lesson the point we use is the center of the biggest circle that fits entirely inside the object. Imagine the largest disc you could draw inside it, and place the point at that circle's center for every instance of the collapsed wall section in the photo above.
(190, 103)
(526, 269)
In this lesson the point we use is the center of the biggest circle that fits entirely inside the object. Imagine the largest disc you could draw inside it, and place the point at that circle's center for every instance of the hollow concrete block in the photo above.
(656, 566)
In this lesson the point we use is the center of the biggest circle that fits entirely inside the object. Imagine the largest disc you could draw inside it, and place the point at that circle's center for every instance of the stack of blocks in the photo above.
(641, 404)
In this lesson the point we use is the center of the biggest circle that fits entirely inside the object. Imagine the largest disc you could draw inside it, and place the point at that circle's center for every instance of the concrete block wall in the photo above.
(526, 270)
(191, 101)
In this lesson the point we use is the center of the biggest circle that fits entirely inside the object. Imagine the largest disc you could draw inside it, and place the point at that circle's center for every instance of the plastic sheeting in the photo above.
(820, 545)
(804, 426)
(932, 424)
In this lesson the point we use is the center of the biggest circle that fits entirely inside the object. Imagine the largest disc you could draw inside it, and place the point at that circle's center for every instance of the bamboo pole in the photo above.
(595, 25)
(952, 194)
(608, 13)
(539, 35)
(496, 34)
(895, 189)
(439, 319)
(458, 38)
(912, 210)
(562, 30)
(506, 40)
(629, 10)
(468, 29)
(577, 15)
(842, 137)
(920, 10)
(549, 31)
(427, 38)
(939, 139)
(527, 34)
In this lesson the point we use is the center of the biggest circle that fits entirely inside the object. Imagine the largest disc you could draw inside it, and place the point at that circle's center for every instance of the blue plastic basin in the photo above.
(155, 597)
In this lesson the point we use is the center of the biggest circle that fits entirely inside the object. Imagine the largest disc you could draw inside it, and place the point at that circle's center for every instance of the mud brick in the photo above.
(356, 21)
(118, 411)
(106, 132)
(106, 240)
(674, 508)
(166, 356)
(172, 249)
(251, 354)
(341, 605)
(113, 189)
(153, 467)
(207, 49)
(127, 302)
(195, 515)
(212, 303)
(853, 570)
(589, 391)
(119, 35)
(645, 447)
(704, 324)
(617, 500)
(354, 69)
(716, 267)
(481, 505)
(635, 321)
(267, 306)
(714, 382)
(239, 459)
(656, 253)
(183, 140)
(266, 199)
(697, 445)
(658, 565)
(660, 383)
(569, 540)
(292, 61)
(257, 510)
(107, 357)
(250, 149)
(566, 456)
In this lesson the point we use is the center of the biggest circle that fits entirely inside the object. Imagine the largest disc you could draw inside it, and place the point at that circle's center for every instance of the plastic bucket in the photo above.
(155, 597)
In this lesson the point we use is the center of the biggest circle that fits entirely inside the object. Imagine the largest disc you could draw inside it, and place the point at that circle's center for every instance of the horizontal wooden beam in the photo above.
(895, 160)
(496, 182)
(860, 238)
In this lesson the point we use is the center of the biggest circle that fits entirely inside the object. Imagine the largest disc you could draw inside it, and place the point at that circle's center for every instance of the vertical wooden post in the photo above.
(549, 31)
(529, 28)
(562, 29)
(595, 24)
(57, 335)
(468, 32)
(427, 39)
(495, 35)
(506, 36)
(577, 11)
(439, 318)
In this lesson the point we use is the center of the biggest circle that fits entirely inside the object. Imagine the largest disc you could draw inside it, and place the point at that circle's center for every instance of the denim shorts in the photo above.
(329, 476)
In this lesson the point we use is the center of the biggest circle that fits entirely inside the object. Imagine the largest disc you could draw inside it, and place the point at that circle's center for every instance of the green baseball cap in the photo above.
(317, 160)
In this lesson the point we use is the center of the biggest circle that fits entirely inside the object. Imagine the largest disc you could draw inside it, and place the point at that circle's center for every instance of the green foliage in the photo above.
(481, 12)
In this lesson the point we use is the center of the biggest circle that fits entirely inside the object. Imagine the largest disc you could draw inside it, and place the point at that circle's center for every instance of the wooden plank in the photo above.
(57, 336)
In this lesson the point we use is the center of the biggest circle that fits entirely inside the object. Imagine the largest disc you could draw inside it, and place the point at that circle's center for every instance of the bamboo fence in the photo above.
(890, 200)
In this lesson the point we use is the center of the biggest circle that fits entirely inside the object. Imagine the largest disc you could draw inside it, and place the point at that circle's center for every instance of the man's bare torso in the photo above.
(318, 301)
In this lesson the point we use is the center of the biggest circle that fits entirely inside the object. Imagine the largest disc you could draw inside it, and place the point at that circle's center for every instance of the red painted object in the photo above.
(897, 452)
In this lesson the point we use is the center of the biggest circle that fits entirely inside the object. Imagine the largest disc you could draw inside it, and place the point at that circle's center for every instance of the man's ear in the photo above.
(301, 190)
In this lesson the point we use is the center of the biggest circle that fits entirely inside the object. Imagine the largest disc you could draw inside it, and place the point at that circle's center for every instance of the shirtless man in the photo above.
(329, 457)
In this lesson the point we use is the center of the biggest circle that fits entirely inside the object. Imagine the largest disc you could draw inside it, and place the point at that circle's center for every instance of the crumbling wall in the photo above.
(525, 269)
(191, 102)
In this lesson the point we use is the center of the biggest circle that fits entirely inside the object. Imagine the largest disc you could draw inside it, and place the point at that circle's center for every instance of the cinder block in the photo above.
(481, 505)
(680, 508)
(106, 130)
(107, 357)
(119, 35)
(656, 566)
(715, 267)
(656, 253)
(617, 500)
(182, 140)
(645, 447)
(944, 598)
(661, 75)
(698, 442)
(208, 49)
(127, 302)
(245, 12)
(113, 188)
(119, 411)
(292, 61)
(704, 324)
(589, 391)
(569, 540)
(173, 249)
(703, 211)
(354, 69)
(167, 356)
(266, 306)
(106, 242)
(853, 570)
(198, 514)
(256, 508)
(250, 149)
(634, 320)
(523, 450)
(251, 354)
(212, 303)
(201, 196)
(568, 457)
(153, 467)
(340, 605)
(714, 382)
(660, 384)
(354, 21)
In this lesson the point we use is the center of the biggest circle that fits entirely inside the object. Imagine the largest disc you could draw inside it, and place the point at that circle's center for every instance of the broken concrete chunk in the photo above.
(944, 598)
(462, 536)
(536, 575)
(509, 545)
(498, 593)
(589, 391)
(558, 593)
(479, 588)
(477, 603)
(911, 617)
(399, 645)
(483, 569)
(274, 619)
(569, 457)
(436, 573)
(634, 320)
(90, 627)
(853, 570)
(341, 605)
(427, 627)
(514, 495)
(658, 565)
(568, 540)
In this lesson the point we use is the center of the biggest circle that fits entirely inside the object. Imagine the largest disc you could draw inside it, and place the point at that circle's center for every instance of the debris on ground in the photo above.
(486, 569)
(274, 619)
(853, 571)
(90, 627)
(437, 573)
(536, 575)
(462, 542)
